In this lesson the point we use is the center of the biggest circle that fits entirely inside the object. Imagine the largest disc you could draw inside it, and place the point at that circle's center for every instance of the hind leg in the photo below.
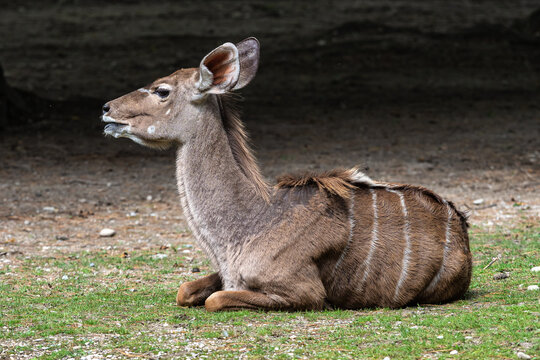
(451, 282)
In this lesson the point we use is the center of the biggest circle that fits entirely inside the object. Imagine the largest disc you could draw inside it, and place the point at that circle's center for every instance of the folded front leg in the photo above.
(246, 299)
(193, 293)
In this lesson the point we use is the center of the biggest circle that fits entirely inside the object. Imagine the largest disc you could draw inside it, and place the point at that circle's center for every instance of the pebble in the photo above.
(92, 264)
(62, 237)
(149, 198)
(186, 251)
(159, 256)
(532, 287)
(195, 270)
(501, 275)
(478, 202)
(386, 358)
(522, 355)
(49, 209)
(535, 269)
(453, 352)
(65, 277)
(107, 232)
(440, 337)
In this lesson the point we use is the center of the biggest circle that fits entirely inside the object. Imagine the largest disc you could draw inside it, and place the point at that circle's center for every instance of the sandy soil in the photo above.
(420, 94)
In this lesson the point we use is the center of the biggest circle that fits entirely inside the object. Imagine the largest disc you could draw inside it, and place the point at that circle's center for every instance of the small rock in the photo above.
(535, 269)
(440, 337)
(26, 222)
(49, 209)
(186, 251)
(478, 202)
(224, 333)
(107, 232)
(92, 264)
(532, 287)
(195, 270)
(65, 277)
(149, 198)
(386, 358)
(61, 237)
(159, 256)
(453, 352)
(522, 355)
(501, 275)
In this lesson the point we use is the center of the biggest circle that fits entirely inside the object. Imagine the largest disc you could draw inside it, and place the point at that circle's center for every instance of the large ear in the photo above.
(229, 67)
(219, 70)
(248, 53)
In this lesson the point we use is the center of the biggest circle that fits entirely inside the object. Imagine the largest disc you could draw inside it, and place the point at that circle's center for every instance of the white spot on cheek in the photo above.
(151, 129)
(168, 112)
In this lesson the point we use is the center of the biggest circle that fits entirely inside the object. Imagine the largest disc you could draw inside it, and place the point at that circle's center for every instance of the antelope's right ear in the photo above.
(248, 53)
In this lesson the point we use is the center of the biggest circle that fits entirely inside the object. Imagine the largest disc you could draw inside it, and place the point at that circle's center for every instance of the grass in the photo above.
(69, 306)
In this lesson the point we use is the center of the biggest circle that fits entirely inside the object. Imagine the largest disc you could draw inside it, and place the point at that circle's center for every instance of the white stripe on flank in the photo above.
(407, 250)
(349, 241)
(437, 277)
(374, 239)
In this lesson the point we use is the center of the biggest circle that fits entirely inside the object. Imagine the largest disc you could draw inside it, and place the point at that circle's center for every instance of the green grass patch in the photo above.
(97, 303)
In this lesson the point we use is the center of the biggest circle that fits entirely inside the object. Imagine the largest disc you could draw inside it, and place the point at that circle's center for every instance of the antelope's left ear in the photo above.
(229, 67)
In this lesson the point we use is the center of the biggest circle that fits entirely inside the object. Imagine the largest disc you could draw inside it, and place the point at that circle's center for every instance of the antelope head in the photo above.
(164, 113)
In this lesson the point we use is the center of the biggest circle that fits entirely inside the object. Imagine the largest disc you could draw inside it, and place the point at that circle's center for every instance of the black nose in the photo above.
(106, 108)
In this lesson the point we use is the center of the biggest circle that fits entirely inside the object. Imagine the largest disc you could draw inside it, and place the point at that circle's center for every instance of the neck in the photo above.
(220, 186)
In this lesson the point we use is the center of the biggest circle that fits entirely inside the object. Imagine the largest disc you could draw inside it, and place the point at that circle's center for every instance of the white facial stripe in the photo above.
(151, 129)
(143, 90)
(164, 86)
(407, 250)
(168, 112)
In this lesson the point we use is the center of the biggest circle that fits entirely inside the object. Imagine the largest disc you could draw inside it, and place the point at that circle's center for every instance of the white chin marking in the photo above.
(151, 129)
(107, 119)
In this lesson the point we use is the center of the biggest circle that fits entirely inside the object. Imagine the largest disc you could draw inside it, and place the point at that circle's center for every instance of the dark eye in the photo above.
(162, 92)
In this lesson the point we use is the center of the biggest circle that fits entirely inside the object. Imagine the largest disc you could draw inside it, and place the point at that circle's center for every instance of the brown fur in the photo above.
(238, 140)
(336, 182)
(316, 240)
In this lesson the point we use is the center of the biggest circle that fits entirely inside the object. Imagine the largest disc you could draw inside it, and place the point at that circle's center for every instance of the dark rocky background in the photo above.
(439, 93)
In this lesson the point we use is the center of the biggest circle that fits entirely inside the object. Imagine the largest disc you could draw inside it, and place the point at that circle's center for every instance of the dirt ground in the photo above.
(428, 93)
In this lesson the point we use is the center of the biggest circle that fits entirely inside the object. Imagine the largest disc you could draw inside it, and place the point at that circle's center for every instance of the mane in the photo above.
(338, 182)
(239, 142)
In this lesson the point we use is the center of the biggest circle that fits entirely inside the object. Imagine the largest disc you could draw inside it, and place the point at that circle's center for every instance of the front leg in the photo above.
(193, 293)
(246, 299)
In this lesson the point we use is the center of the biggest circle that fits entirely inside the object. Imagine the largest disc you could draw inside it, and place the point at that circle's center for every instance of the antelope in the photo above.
(310, 242)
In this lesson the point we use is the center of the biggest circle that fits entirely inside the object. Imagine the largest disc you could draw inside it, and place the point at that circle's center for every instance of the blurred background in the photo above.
(443, 94)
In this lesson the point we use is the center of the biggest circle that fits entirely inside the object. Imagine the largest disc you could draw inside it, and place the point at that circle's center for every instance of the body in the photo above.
(315, 240)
